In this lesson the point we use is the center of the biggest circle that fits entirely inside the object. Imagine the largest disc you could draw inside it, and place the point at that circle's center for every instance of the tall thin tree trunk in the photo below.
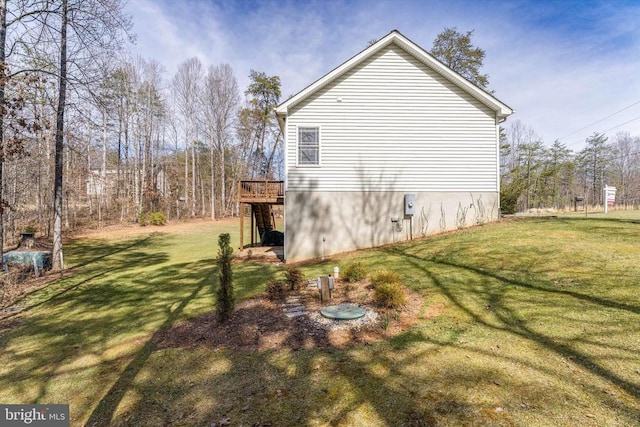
(193, 180)
(39, 195)
(48, 140)
(127, 174)
(103, 170)
(94, 185)
(143, 175)
(186, 174)
(213, 186)
(223, 184)
(58, 263)
(65, 209)
(3, 40)
(136, 176)
(119, 159)
(13, 197)
(203, 199)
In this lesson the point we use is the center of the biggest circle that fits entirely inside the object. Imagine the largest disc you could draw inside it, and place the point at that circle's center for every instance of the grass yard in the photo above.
(526, 322)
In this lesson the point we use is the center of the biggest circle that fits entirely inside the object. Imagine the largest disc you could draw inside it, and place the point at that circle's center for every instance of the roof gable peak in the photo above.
(397, 38)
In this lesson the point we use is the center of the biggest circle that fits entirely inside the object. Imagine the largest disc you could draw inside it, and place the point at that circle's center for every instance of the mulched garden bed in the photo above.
(260, 324)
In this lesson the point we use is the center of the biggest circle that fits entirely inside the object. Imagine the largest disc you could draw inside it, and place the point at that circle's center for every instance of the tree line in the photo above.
(93, 136)
(536, 176)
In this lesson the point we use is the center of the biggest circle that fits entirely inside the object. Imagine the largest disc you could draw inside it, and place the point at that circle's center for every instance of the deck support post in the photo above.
(253, 227)
(241, 226)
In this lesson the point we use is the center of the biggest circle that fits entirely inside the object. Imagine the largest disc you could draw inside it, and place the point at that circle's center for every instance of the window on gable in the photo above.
(308, 146)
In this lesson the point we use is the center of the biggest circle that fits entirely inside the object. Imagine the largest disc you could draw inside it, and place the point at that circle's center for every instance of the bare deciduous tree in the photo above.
(186, 90)
(626, 167)
(220, 101)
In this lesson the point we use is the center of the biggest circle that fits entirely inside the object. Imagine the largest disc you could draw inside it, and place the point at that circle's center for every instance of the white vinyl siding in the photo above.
(392, 123)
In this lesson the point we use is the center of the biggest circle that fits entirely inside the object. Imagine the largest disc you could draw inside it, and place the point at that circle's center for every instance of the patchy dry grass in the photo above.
(530, 322)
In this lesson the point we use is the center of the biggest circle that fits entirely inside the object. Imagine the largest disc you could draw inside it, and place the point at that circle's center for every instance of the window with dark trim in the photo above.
(308, 146)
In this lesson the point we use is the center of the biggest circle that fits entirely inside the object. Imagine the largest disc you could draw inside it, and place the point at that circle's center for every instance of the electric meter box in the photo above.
(409, 205)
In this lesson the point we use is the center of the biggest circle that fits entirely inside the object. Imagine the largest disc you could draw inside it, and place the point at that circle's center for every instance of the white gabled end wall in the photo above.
(390, 125)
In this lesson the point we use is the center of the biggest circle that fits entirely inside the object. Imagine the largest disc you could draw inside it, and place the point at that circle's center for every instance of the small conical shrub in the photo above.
(225, 301)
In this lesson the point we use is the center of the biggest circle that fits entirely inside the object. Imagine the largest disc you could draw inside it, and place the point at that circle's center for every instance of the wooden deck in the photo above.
(260, 195)
(261, 192)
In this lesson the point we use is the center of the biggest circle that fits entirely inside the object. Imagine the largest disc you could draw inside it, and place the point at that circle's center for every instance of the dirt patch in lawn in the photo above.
(261, 324)
(171, 227)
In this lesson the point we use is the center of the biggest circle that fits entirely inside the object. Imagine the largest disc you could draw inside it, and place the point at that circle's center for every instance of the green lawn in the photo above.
(539, 325)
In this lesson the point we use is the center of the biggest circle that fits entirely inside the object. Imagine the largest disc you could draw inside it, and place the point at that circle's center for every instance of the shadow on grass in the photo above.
(383, 384)
(154, 382)
(499, 314)
(104, 411)
(84, 252)
(83, 338)
(88, 252)
(255, 276)
(386, 384)
(208, 383)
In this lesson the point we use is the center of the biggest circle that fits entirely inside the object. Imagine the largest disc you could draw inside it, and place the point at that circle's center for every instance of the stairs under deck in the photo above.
(261, 196)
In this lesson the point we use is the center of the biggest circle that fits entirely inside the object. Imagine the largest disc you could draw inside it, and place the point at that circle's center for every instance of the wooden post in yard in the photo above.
(325, 292)
(253, 226)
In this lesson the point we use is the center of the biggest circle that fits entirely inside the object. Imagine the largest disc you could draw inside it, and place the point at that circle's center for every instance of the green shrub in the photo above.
(379, 277)
(153, 218)
(157, 218)
(354, 272)
(390, 295)
(225, 301)
(275, 290)
(509, 194)
(294, 277)
(143, 219)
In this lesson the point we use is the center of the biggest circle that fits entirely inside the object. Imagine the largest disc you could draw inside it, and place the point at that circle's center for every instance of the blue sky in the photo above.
(562, 65)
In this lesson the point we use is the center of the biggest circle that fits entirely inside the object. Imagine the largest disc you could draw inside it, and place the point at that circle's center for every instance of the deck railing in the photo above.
(252, 190)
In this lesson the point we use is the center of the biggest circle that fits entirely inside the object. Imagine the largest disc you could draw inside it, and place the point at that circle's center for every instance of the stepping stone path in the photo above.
(294, 307)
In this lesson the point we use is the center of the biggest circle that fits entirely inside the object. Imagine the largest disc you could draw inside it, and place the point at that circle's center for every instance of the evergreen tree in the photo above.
(557, 176)
(595, 160)
(264, 95)
(531, 162)
(455, 50)
(225, 301)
